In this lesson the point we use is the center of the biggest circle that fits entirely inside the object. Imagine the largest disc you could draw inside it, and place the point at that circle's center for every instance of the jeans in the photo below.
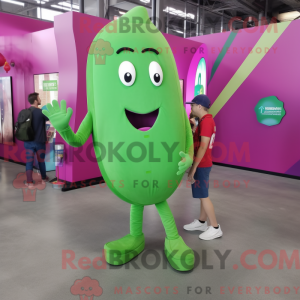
(32, 148)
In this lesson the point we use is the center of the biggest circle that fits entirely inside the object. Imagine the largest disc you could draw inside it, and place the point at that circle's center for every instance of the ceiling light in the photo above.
(121, 12)
(13, 2)
(288, 16)
(178, 12)
(68, 5)
(145, 1)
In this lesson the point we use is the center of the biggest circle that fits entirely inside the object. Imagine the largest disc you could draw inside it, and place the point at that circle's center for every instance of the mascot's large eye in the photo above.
(156, 73)
(127, 73)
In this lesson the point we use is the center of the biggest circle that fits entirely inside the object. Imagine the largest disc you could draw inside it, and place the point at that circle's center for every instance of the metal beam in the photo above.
(260, 15)
(102, 6)
(27, 9)
(207, 8)
(46, 5)
(292, 4)
(154, 12)
(222, 20)
(167, 26)
(198, 19)
(184, 27)
(160, 5)
(248, 7)
(81, 6)
(203, 18)
(224, 8)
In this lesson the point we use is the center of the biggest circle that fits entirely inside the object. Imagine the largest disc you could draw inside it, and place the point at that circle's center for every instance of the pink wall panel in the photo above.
(274, 148)
(15, 46)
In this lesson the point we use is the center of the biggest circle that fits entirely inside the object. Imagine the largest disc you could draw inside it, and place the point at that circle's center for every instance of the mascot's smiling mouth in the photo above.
(142, 122)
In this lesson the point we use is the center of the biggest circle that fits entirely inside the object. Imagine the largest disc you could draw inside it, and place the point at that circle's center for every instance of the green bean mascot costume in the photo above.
(126, 74)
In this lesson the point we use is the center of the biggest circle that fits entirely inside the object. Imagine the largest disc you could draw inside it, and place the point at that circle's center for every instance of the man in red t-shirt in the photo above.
(204, 137)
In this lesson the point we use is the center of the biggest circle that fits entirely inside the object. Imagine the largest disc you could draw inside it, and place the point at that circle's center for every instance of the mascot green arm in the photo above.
(189, 137)
(60, 118)
(187, 160)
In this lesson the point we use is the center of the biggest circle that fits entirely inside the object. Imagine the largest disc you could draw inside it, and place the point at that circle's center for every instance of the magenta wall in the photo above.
(275, 148)
(12, 25)
(16, 43)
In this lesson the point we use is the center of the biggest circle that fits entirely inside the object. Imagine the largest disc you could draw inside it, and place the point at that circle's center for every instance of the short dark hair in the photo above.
(32, 97)
(205, 108)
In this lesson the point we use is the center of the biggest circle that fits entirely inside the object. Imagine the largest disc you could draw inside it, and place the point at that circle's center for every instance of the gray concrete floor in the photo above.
(262, 216)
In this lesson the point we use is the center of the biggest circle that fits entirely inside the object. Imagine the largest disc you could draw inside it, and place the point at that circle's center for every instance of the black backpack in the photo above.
(23, 128)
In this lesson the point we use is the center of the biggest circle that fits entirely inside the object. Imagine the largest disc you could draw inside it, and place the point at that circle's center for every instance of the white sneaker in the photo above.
(211, 233)
(196, 225)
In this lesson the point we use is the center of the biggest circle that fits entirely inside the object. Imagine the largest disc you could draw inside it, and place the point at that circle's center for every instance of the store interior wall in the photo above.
(240, 139)
(16, 45)
(249, 144)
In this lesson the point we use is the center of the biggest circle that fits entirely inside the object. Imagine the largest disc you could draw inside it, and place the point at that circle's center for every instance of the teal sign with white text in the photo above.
(269, 111)
(50, 85)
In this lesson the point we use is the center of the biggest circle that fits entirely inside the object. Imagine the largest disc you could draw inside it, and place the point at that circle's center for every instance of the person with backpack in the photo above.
(38, 143)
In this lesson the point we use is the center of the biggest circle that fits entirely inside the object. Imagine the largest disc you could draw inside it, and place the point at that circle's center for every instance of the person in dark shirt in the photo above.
(38, 145)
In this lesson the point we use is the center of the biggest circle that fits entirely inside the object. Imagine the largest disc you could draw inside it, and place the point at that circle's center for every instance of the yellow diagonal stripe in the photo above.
(268, 38)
